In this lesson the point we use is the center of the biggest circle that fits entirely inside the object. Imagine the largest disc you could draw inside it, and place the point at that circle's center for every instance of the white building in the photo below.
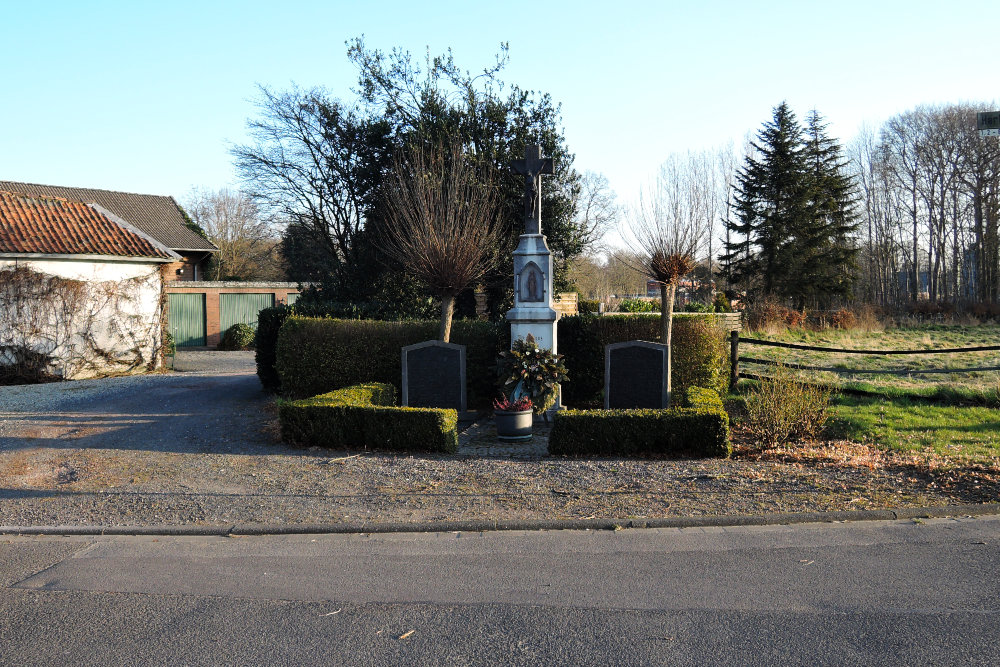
(81, 290)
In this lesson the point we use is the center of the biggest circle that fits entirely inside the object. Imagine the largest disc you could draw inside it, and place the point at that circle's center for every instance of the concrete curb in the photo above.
(772, 519)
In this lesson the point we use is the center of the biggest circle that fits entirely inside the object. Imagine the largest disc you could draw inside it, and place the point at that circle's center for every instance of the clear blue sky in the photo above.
(147, 97)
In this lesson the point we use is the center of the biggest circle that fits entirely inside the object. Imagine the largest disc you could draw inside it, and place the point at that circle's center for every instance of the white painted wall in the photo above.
(122, 313)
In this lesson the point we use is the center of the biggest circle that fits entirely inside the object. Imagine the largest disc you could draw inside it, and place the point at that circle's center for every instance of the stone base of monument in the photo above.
(635, 375)
(434, 375)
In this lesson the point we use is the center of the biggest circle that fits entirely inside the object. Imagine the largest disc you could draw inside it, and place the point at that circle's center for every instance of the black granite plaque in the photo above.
(635, 375)
(434, 375)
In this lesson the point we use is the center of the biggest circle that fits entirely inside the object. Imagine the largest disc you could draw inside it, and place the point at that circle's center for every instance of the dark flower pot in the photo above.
(513, 426)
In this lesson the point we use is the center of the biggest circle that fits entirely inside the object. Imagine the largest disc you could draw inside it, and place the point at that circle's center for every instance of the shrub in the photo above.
(769, 316)
(638, 306)
(699, 354)
(269, 322)
(701, 429)
(366, 416)
(722, 303)
(238, 337)
(528, 370)
(783, 408)
(588, 306)
(318, 355)
(843, 319)
(699, 307)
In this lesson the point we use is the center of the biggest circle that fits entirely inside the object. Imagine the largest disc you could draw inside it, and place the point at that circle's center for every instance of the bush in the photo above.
(269, 322)
(699, 307)
(238, 337)
(638, 306)
(722, 303)
(843, 319)
(588, 306)
(783, 409)
(318, 355)
(770, 316)
(699, 354)
(365, 416)
(701, 429)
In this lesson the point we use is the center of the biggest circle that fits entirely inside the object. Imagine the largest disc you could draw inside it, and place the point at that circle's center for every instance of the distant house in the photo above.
(81, 289)
(158, 217)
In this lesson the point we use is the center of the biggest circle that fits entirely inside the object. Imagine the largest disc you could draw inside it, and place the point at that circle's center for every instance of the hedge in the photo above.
(316, 356)
(269, 322)
(701, 428)
(365, 416)
(329, 354)
(699, 353)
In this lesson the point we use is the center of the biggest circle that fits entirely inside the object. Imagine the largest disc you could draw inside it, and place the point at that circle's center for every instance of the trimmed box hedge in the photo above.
(319, 355)
(366, 417)
(701, 428)
(699, 351)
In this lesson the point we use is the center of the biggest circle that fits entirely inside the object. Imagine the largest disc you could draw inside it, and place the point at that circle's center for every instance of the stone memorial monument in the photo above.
(635, 375)
(434, 375)
(533, 312)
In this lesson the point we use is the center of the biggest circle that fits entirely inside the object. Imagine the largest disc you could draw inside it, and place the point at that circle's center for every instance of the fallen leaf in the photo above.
(406, 634)
(334, 612)
(807, 562)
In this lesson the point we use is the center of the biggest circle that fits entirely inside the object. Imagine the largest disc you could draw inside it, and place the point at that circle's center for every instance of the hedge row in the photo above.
(320, 355)
(365, 416)
(269, 322)
(315, 356)
(699, 429)
(699, 354)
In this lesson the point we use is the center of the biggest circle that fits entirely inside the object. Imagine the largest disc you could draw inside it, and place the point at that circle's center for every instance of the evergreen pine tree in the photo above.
(831, 255)
(771, 210)
(794, 215)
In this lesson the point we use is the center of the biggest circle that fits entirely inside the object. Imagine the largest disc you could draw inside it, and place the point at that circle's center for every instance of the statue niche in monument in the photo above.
(532, 283)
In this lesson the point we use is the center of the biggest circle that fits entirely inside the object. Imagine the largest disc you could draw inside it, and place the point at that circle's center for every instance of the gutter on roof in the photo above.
(198, 249)
(82, 257)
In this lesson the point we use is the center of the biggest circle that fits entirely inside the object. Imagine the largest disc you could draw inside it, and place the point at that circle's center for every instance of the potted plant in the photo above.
(513, 418)
(529, 371)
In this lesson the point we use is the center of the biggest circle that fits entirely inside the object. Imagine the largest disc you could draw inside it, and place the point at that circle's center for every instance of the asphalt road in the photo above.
(903, 593)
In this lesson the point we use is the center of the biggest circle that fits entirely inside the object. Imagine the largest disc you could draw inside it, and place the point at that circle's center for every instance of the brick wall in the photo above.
(212, 290)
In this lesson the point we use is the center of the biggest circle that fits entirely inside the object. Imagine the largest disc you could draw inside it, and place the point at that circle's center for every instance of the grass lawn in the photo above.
(970, 387)
(965, 433)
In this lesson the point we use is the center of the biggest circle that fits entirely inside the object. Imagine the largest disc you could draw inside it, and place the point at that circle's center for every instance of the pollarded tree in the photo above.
(666, 229)
(442, 220)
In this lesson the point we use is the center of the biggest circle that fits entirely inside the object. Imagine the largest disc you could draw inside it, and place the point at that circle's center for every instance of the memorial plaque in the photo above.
(434, 375)
(635, 375)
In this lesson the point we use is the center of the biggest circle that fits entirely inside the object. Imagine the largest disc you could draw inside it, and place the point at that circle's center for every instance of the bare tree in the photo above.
(233, 222)
(667, 229)
(316, 162)
(443, 220)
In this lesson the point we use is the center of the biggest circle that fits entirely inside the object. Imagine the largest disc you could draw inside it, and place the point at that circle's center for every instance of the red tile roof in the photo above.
(55, 226)
(154, 215)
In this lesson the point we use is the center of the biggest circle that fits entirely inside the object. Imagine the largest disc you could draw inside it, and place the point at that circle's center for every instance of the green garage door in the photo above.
(186, 314)
(237, 308)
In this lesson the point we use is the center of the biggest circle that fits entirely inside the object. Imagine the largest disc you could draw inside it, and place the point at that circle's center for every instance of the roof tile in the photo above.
(155, 215)
(56, 226)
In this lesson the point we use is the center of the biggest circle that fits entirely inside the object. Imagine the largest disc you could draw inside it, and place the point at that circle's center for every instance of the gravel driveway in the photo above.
(199, 446)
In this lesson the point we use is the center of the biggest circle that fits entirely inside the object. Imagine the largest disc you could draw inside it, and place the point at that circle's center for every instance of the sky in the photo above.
(149, 97)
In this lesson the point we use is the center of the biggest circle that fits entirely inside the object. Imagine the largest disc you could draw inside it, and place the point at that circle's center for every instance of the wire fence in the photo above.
(735, 359)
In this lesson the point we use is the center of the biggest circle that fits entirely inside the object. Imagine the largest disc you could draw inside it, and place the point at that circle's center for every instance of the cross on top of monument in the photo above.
(532, 167)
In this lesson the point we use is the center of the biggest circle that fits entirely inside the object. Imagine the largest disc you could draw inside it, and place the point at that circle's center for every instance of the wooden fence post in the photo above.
(734, 360)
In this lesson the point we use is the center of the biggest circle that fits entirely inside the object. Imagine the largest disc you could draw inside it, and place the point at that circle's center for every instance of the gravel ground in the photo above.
(200, 446)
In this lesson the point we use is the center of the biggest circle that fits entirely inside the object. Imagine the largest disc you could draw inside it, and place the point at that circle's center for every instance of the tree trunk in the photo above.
(447, 310)
(667, 295)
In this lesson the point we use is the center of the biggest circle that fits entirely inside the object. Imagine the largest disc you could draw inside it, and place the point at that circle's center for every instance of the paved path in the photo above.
(878, 593)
